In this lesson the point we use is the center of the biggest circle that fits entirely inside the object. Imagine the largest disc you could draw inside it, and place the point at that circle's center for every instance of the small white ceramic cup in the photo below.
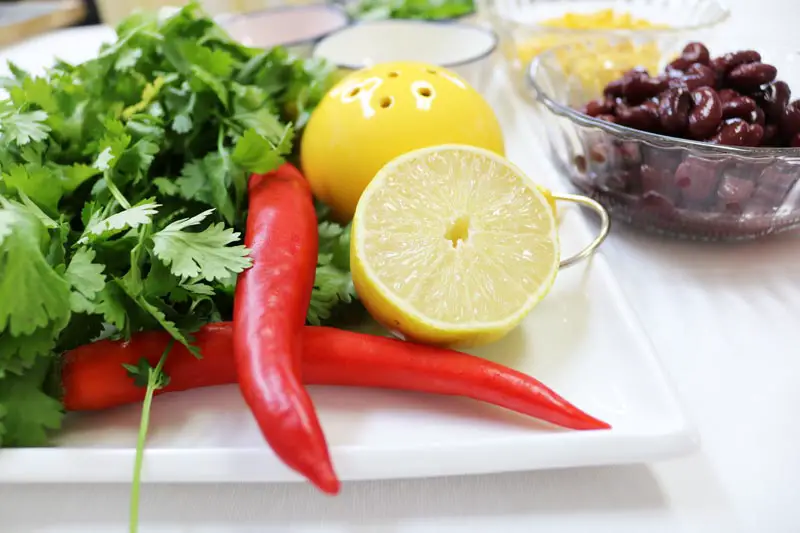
(465, 49)
(297, 28)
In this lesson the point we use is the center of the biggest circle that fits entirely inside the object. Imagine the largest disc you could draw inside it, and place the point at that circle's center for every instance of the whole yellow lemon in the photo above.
(376, 114)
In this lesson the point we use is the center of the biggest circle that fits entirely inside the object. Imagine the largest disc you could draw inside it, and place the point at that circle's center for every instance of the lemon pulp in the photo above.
(453, 245)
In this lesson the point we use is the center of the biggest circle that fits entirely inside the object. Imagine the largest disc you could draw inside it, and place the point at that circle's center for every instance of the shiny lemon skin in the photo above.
(376, 114)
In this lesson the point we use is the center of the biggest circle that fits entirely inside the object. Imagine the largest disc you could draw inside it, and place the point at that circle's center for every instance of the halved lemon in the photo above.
(453, 245)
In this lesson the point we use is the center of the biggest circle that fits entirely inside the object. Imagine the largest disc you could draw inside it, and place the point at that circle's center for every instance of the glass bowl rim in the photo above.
(725, 13)
(442, 25)
(229, 23)
(653, 139)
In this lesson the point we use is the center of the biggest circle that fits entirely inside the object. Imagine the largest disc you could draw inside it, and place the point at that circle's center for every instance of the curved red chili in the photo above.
(93, 377)
(270, 306)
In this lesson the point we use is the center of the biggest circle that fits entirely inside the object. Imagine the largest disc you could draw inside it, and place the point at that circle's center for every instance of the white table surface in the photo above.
(724, 321)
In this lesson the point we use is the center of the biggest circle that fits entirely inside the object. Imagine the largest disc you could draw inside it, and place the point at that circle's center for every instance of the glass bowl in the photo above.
(664, 184)
(295, 27)
(441, 11)
(525, 27)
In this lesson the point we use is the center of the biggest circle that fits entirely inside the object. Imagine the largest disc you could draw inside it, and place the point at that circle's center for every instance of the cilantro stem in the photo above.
(155, 380)
(115, 191)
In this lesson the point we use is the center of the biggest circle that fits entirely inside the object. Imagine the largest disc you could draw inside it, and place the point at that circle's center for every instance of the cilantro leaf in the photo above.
(28, 414)
(255, 153)
(111, 146)
(23, 128)
(35, 91)
(138, 157)
(41, 294)
(133, 217)
(75, 175)
(142, 373)
(333, 284)
(168, 325)
(252, 109)
(331, 288)
(182, 123)
(18, 353)
(128, 59)
(335, 240)
(35, 182)
(86, 279)
(207, 180)
(205, 255)
(115, 307)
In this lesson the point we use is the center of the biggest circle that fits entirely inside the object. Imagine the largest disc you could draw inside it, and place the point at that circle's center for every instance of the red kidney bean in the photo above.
(635, 71)
(614, 88)
(732, 100)
(741, 107)
(580, 164)
(770, 135)
(795, 141)
(597, 107)
(734, 192)
(659, 179)
(751, 76)
(631, 180)
(697, 179)
(759, 118)
(755, 135)
(642, 117)
(598, 153)
(790, 123)
(696, 53)
(638, 87)
(707, 113)
(737, 132)
(629, 153)
(673, 110)
(677, 83)
(726, 63)
(679, 64)
(657, 203)
(612, 181)
(699, 76)
(774, 100)
(659, 158)
(718, 65)
(727, 94)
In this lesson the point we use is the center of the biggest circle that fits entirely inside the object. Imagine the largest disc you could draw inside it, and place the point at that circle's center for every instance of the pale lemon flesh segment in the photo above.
(453, 245)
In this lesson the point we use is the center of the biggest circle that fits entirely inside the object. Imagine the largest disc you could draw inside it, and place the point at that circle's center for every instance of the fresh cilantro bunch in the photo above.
(123, 187)
(410, 9)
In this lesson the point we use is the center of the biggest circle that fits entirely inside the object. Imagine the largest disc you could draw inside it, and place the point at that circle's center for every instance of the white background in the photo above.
(724, 320)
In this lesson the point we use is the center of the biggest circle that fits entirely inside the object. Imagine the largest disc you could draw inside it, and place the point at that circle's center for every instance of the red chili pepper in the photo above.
(93, 377)
(269, 311)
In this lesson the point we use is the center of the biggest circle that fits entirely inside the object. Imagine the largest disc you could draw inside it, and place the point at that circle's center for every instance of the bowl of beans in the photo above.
(707, 147)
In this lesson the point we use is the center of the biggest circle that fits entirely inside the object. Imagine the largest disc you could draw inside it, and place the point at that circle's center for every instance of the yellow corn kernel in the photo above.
(605, 61)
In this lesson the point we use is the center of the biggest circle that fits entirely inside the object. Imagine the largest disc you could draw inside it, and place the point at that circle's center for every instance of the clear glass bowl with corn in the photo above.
(621, 32)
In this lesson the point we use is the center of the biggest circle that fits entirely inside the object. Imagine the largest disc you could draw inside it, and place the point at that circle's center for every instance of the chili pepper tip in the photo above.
(324, 478)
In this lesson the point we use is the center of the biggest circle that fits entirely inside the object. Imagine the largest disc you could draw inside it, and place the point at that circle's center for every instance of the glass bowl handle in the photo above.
(605, 226)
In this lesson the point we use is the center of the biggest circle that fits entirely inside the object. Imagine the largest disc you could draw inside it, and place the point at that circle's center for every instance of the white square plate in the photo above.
(582, 341)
